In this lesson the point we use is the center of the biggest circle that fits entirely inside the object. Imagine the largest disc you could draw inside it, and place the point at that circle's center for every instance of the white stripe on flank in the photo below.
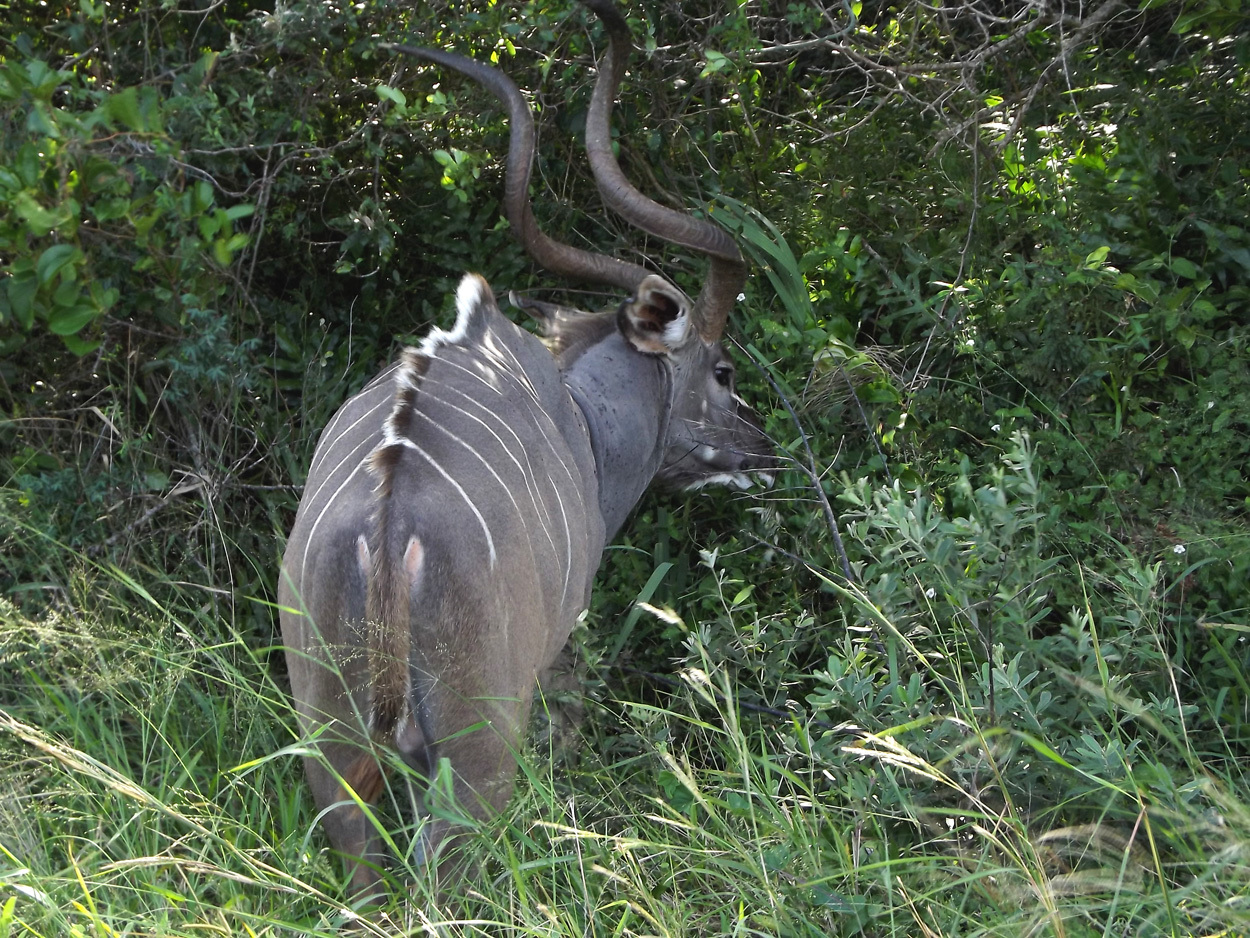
(490, 541)
(523, 380)
(538, 425)
(433, 385)
(568, 540)
(377, 384)
(540, 409)
(474, 400)
(527, 471)
(312, 499)
(497, 350)
(555, 489)
(482, 459)
(321, 514)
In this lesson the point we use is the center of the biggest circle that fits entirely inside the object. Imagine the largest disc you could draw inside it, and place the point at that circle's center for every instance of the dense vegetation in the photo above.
(976, 665)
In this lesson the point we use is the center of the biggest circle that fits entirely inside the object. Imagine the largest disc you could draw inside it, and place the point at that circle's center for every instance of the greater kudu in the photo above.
(456, 509)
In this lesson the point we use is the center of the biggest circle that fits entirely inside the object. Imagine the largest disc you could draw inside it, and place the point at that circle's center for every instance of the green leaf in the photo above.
(143, 224)
(221, 252)
(394, 95)
(716, 62)
(207, 225)
(767, 246)
(1094, 258)
(38, 219)
(72, 320)
(29, 166)
(79, 346)
(644, 596)
(67, 293)
(22, 290)
(109, 209)
(1188, 20)
(43, 80)
(204, 67)
(1184, 267)
(1203, 310)
(123, 107)
(203, 195)
(54, 259)
(6, 915)
(1142, 287)
(39, 124)
(104, 299)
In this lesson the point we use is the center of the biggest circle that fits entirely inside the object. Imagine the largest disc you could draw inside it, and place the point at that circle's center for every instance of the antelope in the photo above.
(456, 509)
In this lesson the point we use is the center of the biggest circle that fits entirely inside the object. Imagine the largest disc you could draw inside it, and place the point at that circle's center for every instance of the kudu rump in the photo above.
(457, 508)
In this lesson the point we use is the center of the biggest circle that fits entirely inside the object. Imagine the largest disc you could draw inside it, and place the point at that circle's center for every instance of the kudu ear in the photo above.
(656, 319)
(552, 317)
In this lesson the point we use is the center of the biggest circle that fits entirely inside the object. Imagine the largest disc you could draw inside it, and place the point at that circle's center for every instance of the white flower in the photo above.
(1178, 548)
(996, 427)
(1210, 404)
(741, 297)
(930, 593)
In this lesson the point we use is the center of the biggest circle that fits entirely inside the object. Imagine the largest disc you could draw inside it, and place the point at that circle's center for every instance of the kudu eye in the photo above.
(724, 375)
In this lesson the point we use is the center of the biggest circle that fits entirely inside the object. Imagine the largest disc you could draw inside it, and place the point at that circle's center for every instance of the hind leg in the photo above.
(352, 835)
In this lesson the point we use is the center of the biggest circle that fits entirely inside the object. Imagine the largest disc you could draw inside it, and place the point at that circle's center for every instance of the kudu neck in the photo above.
(626, 398)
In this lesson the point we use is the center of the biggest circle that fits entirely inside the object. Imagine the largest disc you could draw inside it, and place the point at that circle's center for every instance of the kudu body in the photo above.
(456, 509)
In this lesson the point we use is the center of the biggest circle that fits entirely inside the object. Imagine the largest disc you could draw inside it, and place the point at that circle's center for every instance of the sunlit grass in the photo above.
(152, 787)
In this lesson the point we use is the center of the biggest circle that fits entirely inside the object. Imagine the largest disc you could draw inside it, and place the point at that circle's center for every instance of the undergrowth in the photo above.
(908, 784)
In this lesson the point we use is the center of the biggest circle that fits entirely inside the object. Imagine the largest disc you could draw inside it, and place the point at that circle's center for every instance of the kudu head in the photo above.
(712, 436)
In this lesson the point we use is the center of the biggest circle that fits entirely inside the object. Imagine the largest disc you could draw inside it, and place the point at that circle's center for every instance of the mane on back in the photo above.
(387, 595)
(567, 332)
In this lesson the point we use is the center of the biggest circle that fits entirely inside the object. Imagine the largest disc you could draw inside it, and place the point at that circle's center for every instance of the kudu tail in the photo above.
(394, 565)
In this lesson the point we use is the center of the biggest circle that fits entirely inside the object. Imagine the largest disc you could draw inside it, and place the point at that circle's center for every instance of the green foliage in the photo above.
(82, 176)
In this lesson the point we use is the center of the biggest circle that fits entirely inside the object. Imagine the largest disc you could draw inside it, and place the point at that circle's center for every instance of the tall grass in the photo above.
(152, 787)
